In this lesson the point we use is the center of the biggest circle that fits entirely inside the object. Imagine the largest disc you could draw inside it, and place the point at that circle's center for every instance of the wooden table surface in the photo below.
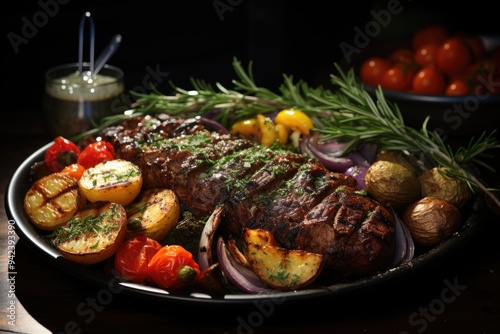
(459, 295)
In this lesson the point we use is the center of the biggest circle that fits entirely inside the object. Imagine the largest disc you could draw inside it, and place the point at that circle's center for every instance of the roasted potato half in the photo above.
(118, 181)
(53, 200)
(153, 214)
(280, 268)
(93, 234)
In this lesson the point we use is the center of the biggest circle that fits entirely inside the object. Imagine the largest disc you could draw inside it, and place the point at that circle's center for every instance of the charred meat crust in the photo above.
(302, 203)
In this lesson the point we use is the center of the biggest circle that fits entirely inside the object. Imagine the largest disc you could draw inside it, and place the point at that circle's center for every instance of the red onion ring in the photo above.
(205, 257)
(243, 278)
(213, 125)
(405, 247)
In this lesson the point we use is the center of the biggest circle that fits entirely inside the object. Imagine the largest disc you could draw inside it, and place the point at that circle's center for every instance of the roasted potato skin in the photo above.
(153, 214)
(431, 220)
(94, 234)
(392, 184)
(53, 200)
(435, 183)
(280, 268)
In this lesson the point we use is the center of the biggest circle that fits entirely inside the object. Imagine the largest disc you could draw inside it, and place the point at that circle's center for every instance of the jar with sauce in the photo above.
(76, 100)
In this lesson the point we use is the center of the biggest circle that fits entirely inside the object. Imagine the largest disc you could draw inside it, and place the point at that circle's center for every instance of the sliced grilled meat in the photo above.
(302, 203)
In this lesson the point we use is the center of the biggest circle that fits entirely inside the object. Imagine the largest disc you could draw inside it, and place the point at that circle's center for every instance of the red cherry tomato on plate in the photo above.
(173, 267)
(426, 54)
(95, 153)
(456, 87)
(373, 69)
(452, 56)
(133, 256)
(398, 77)
(434, 33)
(402, 55)
(61, 154)
(428, 81)
(475, 44)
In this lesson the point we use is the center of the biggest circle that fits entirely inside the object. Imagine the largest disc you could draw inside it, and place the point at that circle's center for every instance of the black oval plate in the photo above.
(20, 183)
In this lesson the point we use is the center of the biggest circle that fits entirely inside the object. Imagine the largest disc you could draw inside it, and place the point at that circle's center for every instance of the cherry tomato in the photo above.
(452, 56)
(426, 54)
(173, 267)
(402, 55)
(133, 256)
(372, 70)
(457, 87)
(480, 71)
(61, 154)
(398, 77)
(428, 81)
(434, 33)
(75, 170)
(475, 44)
(95, 153)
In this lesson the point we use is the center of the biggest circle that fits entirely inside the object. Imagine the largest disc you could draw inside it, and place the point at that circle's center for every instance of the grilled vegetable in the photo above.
(173, 267)
(118, 181)
(53, 200)
(435, 183)
(392, 184)
(93, 234)
(431, 220)
(280, 268)
(133, 256)
(61, 154)
(153, 214)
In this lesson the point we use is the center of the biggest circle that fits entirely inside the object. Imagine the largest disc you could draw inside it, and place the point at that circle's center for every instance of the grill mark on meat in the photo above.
(298, 196)
(355, 232)
(303, 204)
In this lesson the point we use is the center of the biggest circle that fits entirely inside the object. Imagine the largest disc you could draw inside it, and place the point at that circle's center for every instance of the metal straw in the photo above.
(92, 42)
(107, 53)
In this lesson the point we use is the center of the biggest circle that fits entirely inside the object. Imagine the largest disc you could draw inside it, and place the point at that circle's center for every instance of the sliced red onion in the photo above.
(243, 278)
(358, 172)
(405, 247)
(334, 163)
(213, 125)
(205, 257)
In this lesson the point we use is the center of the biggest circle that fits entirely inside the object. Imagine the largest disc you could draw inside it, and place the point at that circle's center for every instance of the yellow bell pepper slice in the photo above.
(267, 130)
(296, 120)
(283, 133)
(248, 128)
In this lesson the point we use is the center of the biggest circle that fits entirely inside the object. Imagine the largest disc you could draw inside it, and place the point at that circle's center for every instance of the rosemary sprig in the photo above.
(346, 114)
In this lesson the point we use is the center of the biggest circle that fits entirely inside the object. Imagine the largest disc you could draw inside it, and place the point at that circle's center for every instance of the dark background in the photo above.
(192, 39)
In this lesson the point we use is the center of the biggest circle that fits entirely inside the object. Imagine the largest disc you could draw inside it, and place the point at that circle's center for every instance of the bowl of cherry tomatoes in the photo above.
(451, 77)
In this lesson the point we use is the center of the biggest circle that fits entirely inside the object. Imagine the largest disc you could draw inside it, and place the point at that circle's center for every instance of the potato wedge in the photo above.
(93, 234)
(118, 181)
(280, 268)
(153, 214)
(53, 200)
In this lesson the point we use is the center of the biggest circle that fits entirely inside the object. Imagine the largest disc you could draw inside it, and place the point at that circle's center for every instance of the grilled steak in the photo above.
(302, 203)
